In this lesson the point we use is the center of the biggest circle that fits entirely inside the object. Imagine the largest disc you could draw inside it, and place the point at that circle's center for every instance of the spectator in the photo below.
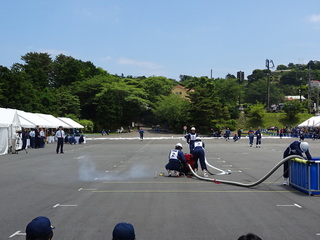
(123, 231)
(227, 134)
(81, 139)
(239, 132)
(60, 135)
(251, 136)
(235, 137)
(259, 136)
(141, 132)
(39, 228)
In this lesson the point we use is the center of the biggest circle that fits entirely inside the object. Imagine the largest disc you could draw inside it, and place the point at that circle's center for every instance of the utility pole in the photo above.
(268, 62)
(309, 89)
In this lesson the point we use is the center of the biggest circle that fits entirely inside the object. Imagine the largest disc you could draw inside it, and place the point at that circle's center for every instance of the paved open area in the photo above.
(93, 186)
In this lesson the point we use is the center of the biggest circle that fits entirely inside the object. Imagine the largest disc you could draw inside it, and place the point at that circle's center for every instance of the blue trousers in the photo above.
(198, 154)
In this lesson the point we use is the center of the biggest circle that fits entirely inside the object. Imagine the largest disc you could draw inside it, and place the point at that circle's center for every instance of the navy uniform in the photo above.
(177, 161)
(295, 148)
(259, 136)
(191, 138)
(198, 153)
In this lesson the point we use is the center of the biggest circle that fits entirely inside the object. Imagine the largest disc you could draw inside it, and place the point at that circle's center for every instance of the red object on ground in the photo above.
(190, 160)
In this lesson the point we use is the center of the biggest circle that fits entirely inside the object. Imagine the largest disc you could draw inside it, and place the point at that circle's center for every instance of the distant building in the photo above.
(181, 91)
(315, 83)
(289, 98)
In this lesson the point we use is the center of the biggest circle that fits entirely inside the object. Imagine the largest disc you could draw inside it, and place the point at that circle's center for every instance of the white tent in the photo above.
(31, 120)
(9, 124)
(70, 122)
(311, 122)
(54, 120)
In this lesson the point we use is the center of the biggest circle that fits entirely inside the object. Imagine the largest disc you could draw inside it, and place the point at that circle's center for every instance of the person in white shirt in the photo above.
(60, 135)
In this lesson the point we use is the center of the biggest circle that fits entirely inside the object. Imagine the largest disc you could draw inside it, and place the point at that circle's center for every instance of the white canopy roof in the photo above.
(311, 122)
(35, 119)
(71, 122)
(56, 121)
(9, 117)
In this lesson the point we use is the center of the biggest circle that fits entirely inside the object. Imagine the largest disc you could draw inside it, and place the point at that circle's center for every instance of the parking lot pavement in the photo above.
(93, 186)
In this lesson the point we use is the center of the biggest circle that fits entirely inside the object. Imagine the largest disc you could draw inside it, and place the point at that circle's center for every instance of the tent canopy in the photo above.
(9, 117)
(311, 122)
(56, 121)
(70, 122)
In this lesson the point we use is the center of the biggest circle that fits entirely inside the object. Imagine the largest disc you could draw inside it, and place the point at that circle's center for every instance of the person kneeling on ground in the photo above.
(177, 161)
(295, 148)
(198, 153)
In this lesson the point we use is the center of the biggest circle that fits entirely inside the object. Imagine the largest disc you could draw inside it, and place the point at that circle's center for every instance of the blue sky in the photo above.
(164, 38)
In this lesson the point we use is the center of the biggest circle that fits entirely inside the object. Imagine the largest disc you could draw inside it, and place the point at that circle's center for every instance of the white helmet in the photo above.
(304, 146)
(193, 129)
(179, 145)
(198, 139)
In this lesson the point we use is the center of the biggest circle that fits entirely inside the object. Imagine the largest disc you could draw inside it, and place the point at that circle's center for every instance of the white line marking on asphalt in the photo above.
(58, 205)
(221, 161)
(17, 233)
(290, 205)
(79, 157)
(115, 166)
(87, 189)
(226, 165)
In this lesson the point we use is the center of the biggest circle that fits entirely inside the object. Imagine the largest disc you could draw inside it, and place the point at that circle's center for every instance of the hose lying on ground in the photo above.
(253, 184)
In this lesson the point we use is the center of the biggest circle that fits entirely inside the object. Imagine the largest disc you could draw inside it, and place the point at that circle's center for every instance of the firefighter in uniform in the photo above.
(198, 153)
(177, 161)
(295, 148)
(191, 138)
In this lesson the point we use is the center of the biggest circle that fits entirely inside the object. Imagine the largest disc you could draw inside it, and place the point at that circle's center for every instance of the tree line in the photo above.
(65, 86)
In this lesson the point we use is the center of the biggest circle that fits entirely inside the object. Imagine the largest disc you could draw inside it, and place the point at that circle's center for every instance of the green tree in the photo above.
(292, 108)
(256, 114)
(172, 110)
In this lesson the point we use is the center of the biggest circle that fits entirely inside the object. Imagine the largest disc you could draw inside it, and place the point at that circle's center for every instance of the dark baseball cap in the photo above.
(123, 231)
(38, 227)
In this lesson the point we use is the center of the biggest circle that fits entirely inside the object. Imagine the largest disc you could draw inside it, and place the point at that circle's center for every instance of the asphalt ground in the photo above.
(87, 190)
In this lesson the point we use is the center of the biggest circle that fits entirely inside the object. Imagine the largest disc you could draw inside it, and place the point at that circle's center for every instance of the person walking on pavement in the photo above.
(227, 134)
(141, 132)
(251, 136)
(199, 154)
(191, 138)
(258, 135)
(239, 133)
(60, 135)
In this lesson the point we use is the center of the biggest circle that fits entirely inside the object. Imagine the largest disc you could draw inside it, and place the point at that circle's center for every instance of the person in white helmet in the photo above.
(191, 138)
(295, 148)
(199, 154)
(177, 161)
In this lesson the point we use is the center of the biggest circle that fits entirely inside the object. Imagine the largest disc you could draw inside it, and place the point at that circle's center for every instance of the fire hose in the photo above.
(252, 184)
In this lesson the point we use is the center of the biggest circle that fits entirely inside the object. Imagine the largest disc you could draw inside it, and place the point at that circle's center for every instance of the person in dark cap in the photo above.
(249, 236)
(123, 231)
(39, 228)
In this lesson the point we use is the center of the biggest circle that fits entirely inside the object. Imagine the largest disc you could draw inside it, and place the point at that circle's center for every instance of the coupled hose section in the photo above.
(248, 185)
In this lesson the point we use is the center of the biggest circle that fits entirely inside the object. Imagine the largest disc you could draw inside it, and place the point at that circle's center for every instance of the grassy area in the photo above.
(275, 119)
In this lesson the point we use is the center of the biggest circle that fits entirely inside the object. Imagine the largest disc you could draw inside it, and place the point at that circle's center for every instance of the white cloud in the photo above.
(315, 18)
(144, 64)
